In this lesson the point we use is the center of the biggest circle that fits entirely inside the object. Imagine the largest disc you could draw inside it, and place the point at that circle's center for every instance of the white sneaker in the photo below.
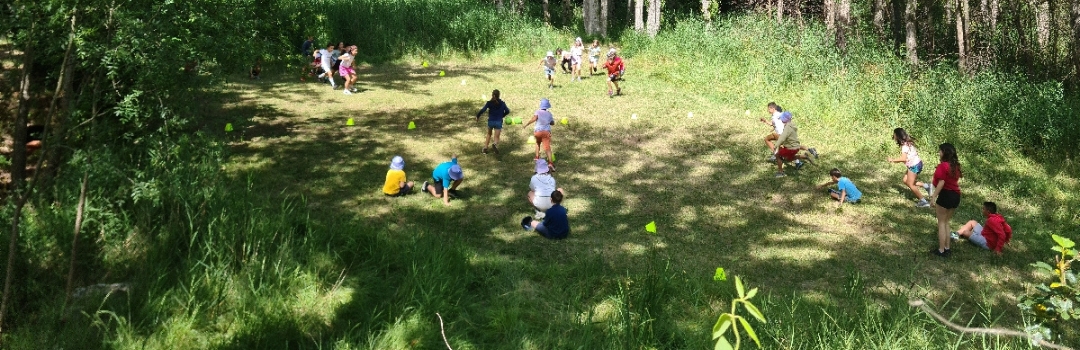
(922, 203)
(929, 189)
(347, 92)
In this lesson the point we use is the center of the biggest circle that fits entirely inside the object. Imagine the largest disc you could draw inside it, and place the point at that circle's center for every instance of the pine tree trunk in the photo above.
(604, 11)
(547, 14)
(780, 10)
(705, 11)
(830, 15)
(588, 12)
(843, 25)
(639, 15)
(653, 26)
(1042, 24)
(879, 18)
(961, 33)
(1076, 38)
(910, 26)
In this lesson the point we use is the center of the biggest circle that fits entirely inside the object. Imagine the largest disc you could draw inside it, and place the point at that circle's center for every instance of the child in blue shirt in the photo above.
(555, 225)
(845, 189)
(497, 110)
(445, 180)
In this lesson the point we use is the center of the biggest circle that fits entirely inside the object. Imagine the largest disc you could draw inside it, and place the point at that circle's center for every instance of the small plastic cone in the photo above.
(651, 227)
(424, 64)
(564, 121)
(412, 125)
(228, 127)
(720, 275)
(633, 116)
(442, 73)
(350, 122)
(552, 157)
(690, 114)
(532, 139)
(747, 112)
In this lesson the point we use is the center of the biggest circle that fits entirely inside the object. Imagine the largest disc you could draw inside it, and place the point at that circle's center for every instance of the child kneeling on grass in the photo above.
(555, 224)
(445, 180)
(396, 184)
(845, 189)
(993, 235)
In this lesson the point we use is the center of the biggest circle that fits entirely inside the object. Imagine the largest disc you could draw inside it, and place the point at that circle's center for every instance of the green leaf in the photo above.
(754, 311)
(739, 287)
(750, 331)
(1043, 266)
(721, 326)
(723, 344)
(1064, 242)
(752, 293)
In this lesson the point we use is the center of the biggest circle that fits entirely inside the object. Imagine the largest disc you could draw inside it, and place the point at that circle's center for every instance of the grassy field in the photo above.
(702, 178)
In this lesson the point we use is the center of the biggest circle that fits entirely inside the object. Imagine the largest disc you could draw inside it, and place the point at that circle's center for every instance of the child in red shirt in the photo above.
(993, 235)
(615, 71)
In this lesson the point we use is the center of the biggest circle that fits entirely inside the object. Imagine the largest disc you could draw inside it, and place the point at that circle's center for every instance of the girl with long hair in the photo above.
(909, 155)
(946, 194)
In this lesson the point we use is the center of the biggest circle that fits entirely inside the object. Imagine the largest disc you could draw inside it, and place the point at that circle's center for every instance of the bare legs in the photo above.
(915, 186)
(943, 217)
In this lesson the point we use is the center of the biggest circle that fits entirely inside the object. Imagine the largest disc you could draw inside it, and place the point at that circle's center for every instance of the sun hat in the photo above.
(611, 53)
(785, 117)
(545, 104)
(455, 172)
(397, 163)
(551, 54)
(578, 40)
(542, 166)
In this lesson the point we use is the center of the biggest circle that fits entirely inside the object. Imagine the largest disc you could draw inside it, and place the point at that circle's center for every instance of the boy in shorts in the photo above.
(445, 180)
(615, 70)
(396, 185)
(992, 236)
(845, 189)
(594, 56)
(548, 63)
(327, 63)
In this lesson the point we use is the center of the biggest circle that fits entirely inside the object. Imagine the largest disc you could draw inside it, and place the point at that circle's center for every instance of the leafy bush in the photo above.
(1055, 306)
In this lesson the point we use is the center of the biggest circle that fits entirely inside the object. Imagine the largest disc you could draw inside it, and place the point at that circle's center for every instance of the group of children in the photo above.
(571, 63)
(329, 61)
(943, 191)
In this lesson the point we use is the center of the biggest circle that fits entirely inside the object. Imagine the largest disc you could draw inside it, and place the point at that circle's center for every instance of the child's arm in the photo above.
(446, 196)
(531, 120)
(901, 159)
(843, 195)
(827, 184)
(481, 111)
(937, 192)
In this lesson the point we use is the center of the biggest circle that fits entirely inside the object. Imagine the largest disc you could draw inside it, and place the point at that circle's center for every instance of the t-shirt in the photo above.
(542, 185)
(544, 119)
(997, 232)
(594, 52)
(777, 124)
(550, 62)
(556, 222)
(790, 137)
(394, 178)
(577, 51)
(442, 173)
(346, 60)
(845, 184)
(325, 56)
(566, 55)
(912, 155)
(306, 47)
(943, 172)
(335, 54)
(614, 66)
(496, 111)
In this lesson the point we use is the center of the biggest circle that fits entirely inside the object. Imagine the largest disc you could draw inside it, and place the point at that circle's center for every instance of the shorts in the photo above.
(544, 232)
(786, 153)
(346, 71)
(495, 124)
(917, 168)
(575, 60)
(948, 199)
(542, 203)
(614, 77)
(772, 136)
(336, 65)
(402, 192)
(327, 68)
(437, 185)
(594, 59)
(543, 138)
(550, 71)
(846, 200)
(977, 238)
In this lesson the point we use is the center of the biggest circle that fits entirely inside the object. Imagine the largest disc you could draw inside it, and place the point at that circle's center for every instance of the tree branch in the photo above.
(991, 331)
(443, 331)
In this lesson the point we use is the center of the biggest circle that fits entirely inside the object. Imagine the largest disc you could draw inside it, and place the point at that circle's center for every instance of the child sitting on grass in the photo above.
(993, 235)
(497, 110)
(555, 225)
(845, 189)
(445, 180)
(396, 184)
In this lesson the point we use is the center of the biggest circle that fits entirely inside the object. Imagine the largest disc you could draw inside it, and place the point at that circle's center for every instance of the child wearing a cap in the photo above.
(548, 63)
(576, 51)
(541, 186)
(845, 189)
(542, 132)
(497, 110)
(788, 147)
(594, 56)
(615, 70)
(555, 224)
(396, 184)
(445, 180)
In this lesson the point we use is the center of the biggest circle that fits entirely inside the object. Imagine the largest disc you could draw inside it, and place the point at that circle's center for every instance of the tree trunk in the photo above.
(830, 15)
(59, 109)
(910, 26)
(1076, 38)
(568, 11)
(547, 14)
(604, 11)
(705, 11)
(843, 25)
(19, 136)
(995, 9)
(961, 34)
(588, 15)
(1042, 24)
(75, 244)
(780, 11)
(654, 18)
(879, 18)
(639, 15)
(499, 5)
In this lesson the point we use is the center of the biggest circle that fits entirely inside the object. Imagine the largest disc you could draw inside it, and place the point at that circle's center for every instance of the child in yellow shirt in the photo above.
(396, 184)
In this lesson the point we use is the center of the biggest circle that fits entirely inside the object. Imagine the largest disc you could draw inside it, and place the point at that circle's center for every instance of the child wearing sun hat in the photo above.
(396, 184)
(445, 180)
(542, 132)
(541, 186)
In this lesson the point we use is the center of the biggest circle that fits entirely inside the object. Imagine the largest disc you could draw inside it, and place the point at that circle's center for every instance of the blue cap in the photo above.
(785, 117)
(397, 163)
(455, 172)
(545, 104)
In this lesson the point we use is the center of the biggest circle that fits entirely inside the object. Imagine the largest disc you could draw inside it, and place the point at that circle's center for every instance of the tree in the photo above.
(604, 11)
(962, 19)
(843, 25)
(779, 10)
(588, 15)
(547, 13)
(1075, 15)
(639, 11)
(830, 15)
(910, 26)
(879, 18)
(653, 26)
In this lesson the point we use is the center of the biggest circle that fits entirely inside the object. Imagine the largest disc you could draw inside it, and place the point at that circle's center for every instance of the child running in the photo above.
(946, 195)
(396, 184)
(548, 64)
(497, 110)
(777, 128)
(845, 189)
(445, 180)
(346, 70)
(594, 56)
(327, 63)
(788, 147)
(542, 132)
(910, 157)
(993, 235)
(564, 62)
(615, 70)
(576, 52)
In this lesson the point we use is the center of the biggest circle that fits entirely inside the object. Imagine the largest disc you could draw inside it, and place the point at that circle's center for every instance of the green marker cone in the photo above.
(442, 73)
(350, 122)
(720, 275)
(424, 64)
(651, 227)
(228, 127)
(552, 156)
(564, 121)
(412, 125)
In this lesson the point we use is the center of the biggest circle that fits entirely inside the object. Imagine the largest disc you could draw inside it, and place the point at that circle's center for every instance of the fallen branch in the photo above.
(443, 331)
(991, 331)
